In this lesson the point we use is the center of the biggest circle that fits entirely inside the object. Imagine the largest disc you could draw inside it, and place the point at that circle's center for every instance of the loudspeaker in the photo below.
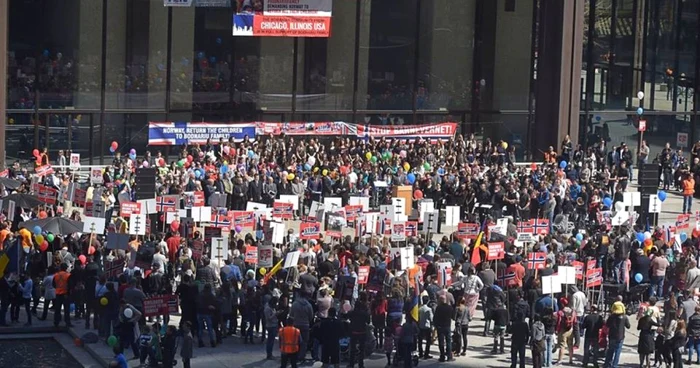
(145, 183)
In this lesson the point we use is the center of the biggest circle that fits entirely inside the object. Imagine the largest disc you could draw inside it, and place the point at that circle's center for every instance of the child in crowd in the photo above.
(659, 347)
(169, 346)
(146, 346)
(388, 344)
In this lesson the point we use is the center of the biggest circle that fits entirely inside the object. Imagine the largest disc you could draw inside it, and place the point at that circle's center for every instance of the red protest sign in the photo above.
(47, 194)
(309, 230)
(594, 277)
(114, 268)
(578, 266)
(282, 210)
(251, 254)
(79, 197)
(411, 228)
(352, 212)
(159, 305)
(243, 218)
(362, 275)
(44, 170)
(496, 251)
(126, 209)
(467, 230)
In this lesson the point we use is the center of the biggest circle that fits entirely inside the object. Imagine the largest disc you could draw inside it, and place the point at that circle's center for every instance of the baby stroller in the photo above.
(370, 343)
(635, 298)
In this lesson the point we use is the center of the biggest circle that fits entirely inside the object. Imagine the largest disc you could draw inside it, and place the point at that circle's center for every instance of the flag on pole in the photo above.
(476, 257)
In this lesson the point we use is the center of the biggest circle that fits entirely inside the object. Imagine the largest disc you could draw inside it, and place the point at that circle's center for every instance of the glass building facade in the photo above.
(82, 73)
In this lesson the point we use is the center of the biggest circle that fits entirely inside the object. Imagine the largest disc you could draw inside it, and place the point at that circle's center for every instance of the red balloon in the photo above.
(91, 250)
(35, 153)
(175, 225)
(43, 215)
(82, 258)
(189, 158)
(44, 246)
(115, 145)
(417, 194)
(533, 166)
(161, 162)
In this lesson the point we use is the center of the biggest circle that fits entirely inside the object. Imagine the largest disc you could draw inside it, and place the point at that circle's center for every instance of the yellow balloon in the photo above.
(104, 301)
(368, 155)
(406, 166)
(290, 177)
(315, 169)
(504, 145)
(39, 239)
(263, 271)
(325, 172)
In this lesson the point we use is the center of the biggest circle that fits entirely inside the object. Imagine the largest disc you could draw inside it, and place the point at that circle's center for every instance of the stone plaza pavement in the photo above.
(233, 353)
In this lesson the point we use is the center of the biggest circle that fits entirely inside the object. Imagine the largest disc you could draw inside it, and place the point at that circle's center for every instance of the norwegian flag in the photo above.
(541, 226)
(384, 226)
(526, 227)
(164, 203)
(360, 224)
(506, 277)
(222, 221)
(535, 260)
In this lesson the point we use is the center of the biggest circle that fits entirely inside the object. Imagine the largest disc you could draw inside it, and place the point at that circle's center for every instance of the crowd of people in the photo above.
(325, 307)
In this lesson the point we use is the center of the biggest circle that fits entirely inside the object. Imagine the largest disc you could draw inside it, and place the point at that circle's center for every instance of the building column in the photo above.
(4, 9)
(558, 84)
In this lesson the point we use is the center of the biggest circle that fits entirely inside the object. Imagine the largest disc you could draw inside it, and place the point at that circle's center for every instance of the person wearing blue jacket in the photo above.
(25, 288)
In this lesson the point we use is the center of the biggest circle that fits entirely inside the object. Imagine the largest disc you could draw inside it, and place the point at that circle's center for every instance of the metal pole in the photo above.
(4, 8)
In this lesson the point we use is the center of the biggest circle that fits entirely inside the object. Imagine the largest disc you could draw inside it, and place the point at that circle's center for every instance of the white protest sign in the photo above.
(265, 255)
(620, 218)
(201, 214)
(148, 206)
(219, 249)
(627, 199)
(74, 161)
(567, 275)
(452, 215)
(292, 259)
(398, 231)
(636, 199)
(294, 200)
(96, 176)
(314, 210)
(278, 229)
(371, 219)
(93, 224)
(175, 215)
(332, 203)
(551, 285)
(399, 208)
(11, 208)
(425, 206)
(363, 201)
(254, 206)
(407, 258)
(525, 238)
(137, 224)
(654, 204)
(430, 221)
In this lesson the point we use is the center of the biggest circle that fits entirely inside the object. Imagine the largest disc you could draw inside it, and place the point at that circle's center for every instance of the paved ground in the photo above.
(232, 353)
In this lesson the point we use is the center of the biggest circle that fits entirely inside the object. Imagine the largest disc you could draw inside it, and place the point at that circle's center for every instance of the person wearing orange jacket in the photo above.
(60, 283)
(290, 338)
(688, 191)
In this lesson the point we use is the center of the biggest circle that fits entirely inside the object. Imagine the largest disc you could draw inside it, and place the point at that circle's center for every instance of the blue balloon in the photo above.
(563, 164)
(640, 111)
(45, 53)
(638, 277)
(579, 237)
(307, 167)
(607, 201)
(37, 230)
(72, 307)
(598, 118)
(411, 178)
(251, 153)
(684, 237)
(662, 195)
(223, 169)
(200, 55)
(640, 237)
(212, 59)
(111, 149)
(132, 156)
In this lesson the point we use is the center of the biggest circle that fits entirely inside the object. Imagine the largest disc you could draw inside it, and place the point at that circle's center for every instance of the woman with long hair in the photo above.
(677, 343)
(378, 310)
(472, 288)
(462, 318)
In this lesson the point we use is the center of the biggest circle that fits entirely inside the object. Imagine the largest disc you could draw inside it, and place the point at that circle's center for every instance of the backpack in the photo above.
(569, 321)
(537, 331)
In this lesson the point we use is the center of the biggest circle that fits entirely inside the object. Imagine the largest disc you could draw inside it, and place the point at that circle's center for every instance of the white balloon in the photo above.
(640, 95)
(128, 313)
(647, 235)
(311, 161)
